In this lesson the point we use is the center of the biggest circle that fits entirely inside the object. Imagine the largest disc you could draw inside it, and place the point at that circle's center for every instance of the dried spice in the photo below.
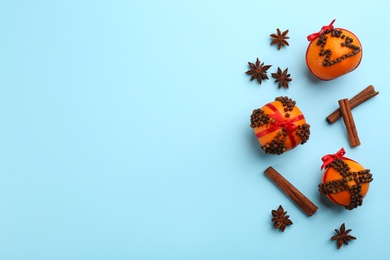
(349, 122)
(287, 103)
(343, 184)
(303, 131)
(280, 219)
(277, 145)
(362, 96)
(259, 118)
(280, 38)
(342, 236)
(327, 52)
(282, 77)
(258, 70)
(293, 193)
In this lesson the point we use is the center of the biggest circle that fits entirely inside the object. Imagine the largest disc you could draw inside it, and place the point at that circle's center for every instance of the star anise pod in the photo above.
(342, 236)
(258, 70)
(282, 77)
(280, 38)
(280, 219)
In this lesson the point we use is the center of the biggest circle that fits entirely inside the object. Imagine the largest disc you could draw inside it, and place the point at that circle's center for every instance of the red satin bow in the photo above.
(288, 125)
(314, 36)
(329, 158)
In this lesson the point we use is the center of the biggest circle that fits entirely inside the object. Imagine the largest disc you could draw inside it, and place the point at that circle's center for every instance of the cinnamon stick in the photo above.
(293, 193)
(361, 97)
(349, 122)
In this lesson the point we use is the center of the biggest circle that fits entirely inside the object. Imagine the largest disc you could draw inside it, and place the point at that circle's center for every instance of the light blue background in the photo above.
(125, 130)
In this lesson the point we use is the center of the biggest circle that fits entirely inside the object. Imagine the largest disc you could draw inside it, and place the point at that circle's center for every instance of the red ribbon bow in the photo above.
(314, 36)
(329, 158)
(280, 122)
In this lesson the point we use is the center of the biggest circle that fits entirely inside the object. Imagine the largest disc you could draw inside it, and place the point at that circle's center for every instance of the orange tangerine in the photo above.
(280, 126)
(345, 182)
(334, 53)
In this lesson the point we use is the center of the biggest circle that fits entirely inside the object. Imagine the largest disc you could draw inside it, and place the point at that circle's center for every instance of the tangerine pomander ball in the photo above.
(333, 52)
(345, 182)
(280, 126)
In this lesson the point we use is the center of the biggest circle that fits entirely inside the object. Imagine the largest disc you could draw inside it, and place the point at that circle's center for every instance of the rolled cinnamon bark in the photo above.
(349, 122)
(361, 97)
(293, 193)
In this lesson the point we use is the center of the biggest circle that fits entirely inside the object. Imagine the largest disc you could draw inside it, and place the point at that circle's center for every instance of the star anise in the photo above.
(280, 219)
(258, 71)
(280, 38)
(282, 77)
(342, 236)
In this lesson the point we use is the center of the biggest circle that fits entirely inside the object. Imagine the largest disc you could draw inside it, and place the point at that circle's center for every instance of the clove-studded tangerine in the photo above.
(345, 182)
(280, 126)
(333, 52)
